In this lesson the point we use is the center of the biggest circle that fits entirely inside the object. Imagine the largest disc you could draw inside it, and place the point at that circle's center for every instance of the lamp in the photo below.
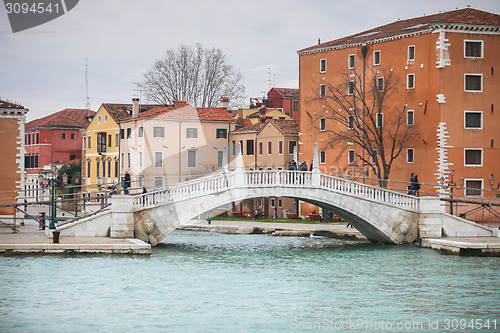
(451, 185)
(492, 183)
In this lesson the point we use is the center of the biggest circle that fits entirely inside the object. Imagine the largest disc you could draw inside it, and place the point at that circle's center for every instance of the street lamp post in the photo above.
(451, 185)
(492, 183)
(53, 208)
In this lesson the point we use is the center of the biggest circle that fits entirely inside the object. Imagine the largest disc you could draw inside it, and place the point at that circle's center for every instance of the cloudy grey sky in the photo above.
(44, 68)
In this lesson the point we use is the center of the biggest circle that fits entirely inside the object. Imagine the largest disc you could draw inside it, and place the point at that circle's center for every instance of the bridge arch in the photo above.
(380, 215)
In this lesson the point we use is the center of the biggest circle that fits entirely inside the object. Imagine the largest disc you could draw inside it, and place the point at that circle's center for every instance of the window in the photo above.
(104, 168)
(273, 202)
(221, 133)
(97, 170)
(72, 137)
(88, 169)
(117, 140)
(123, 159)
(352, 59)
(109, 166)
(191, 133)
(64, 136)
(191, 158)
(474, 82)
(140, 159)
(473, 157)
(295, 106)
(250, 146)
(220, 158)
(411, 53)
(409, 118)
(473, 119)
(99, 119)
(109, 140)
(158, 181)
(158, 132)
(409, 155)
(410, 81)
(322, 90)
(105, 118)
(322, 66)
(473, 187)
(158, 159)
(129, 133)
(350, 156)
(380, 84)
(122, 133)
(380, 120)
(89, 142)
(84, 142)
(233, 147)
(72, 156)
(280, 147)
(322, 156)
(101, 142)
(269, 147)
(241, 146)
(350, 121)
(291, 146)
(128, 160)
(350, 88)
(140, 133)
(473, 48)
(280, 203)
(322, 124)
(376, 58)
(28, 137)
(37, 137)
(116, 169)
(261, 147)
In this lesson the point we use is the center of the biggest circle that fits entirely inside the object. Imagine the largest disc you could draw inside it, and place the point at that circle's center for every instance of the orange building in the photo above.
(443, 80)
(12, 120)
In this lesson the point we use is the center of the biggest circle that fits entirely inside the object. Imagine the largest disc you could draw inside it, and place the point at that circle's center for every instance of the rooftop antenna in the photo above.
(87, 99)
(137, 92)
(270, 77)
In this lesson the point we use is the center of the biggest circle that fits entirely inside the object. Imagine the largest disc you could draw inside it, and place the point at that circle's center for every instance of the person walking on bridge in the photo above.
(126, 182)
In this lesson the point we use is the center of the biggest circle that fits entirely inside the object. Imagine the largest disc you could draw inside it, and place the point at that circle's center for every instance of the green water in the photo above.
(209, 282)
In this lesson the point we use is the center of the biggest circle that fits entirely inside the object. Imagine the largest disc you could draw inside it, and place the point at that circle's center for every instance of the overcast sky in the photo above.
(43, 68)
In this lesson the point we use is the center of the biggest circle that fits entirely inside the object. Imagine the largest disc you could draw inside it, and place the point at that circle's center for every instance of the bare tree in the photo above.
(196, 75)
(364, 119)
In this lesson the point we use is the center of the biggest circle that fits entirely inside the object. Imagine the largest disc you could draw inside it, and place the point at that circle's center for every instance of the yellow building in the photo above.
(254, 114)
(101, 146)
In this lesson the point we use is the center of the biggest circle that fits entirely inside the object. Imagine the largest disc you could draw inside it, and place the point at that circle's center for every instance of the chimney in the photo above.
(224, 102)
(262, 116)
(135, 107)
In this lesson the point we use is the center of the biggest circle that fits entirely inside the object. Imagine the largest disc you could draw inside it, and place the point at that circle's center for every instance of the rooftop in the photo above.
(287, 127)
(67, 118)
(10, 105)
(468, 18)
(182, 110)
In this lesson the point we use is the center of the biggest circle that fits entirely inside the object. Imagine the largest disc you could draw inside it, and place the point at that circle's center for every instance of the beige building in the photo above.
(267, 145)
(168, 144)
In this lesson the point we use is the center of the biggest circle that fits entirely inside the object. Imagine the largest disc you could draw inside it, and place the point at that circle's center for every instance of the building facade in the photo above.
(442, 81)
(267, 145)
(56, 138)
(285, 99)
(12, 180)
(168, 144)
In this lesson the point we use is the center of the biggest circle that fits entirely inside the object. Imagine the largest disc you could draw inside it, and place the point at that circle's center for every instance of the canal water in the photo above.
(210, 282)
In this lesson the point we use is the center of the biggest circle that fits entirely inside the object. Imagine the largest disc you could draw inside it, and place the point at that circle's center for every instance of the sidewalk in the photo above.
(29, 239)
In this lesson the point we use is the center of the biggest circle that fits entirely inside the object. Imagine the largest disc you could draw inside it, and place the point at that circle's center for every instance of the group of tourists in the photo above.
(292, 166)
(414, 187)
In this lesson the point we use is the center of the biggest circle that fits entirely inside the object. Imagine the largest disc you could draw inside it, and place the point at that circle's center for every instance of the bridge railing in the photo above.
(368, 192)
(277, 177)
(197, 187)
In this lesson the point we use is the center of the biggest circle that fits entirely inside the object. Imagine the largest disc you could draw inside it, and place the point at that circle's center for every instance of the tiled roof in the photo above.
(287, 127)
(184, 111)
(67, 118)
(121, 111)
(288, 92)
(467, 16)
(10, 105)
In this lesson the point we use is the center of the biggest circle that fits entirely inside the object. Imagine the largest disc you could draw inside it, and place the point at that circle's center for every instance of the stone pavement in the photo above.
(29, 239)
(477, 246)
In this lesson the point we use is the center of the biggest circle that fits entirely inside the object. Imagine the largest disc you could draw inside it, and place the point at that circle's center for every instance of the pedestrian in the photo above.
(144, 190)
(209, 217)
(292, 166)
(303, 168)
(415, 188)
(410, 191)
(126, 182)
(311, 166)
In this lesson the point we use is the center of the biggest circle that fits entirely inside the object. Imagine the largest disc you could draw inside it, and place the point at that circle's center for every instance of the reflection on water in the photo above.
(210, 282)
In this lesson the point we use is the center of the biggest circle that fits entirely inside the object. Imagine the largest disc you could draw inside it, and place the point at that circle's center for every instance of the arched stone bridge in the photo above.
(379, 214)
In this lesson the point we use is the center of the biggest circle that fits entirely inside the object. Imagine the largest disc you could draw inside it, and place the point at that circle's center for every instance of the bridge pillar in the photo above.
(122, 217)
